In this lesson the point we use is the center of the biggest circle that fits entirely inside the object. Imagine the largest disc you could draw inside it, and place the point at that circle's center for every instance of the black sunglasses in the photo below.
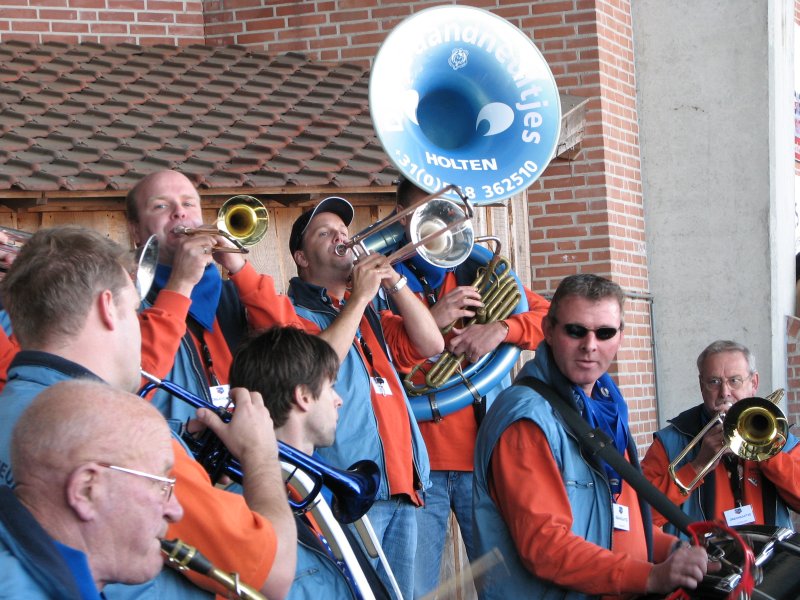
(579, 332)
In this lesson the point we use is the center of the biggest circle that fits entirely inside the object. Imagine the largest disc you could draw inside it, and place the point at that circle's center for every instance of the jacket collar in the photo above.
(37, 358)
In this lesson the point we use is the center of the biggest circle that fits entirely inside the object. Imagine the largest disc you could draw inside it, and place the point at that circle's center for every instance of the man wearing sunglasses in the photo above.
(93, 496)
(566, 524)
(734, 491)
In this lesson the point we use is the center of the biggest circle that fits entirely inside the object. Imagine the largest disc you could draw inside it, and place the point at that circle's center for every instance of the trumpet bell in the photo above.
(453, 245)
(459, 95)
(243, 218)
(755, 429)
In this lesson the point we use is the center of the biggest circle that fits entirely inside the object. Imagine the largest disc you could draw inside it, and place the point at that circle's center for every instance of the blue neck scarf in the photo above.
(606, 409)
(205, 295)
(433, 275)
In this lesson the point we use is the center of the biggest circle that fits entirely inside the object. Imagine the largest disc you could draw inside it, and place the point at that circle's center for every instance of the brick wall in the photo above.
(584, 215)
(145, 22)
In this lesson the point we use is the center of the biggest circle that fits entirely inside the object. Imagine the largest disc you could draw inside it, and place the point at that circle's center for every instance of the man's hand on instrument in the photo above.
(249, 436)
(369, 272)
(192, 257)
(232, 261)
(458, 303)
(476, 340)
(712, 442)
(684, 568)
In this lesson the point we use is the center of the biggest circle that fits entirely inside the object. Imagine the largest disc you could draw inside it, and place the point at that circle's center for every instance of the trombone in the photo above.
(441, 232)
(754, 429)
(242, 220)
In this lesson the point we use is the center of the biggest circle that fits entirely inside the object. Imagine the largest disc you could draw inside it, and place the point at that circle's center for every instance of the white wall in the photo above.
(715, 91)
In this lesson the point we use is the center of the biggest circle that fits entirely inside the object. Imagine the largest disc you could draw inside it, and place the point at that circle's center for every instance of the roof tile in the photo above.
(89, 116)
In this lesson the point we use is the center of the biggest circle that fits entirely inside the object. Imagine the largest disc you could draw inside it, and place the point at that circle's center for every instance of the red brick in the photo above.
(17, 13)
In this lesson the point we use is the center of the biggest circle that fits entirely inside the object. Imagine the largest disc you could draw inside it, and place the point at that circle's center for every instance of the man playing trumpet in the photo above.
(735, 491)
(200, 318)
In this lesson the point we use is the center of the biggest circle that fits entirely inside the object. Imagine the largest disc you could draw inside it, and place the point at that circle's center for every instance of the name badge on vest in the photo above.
(381, 386)
(741, 515)
(220, 395)
(622, 518)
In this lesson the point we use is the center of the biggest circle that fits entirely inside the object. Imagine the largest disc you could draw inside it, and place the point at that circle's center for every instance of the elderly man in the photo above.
(452, 298)
(295, 371)
(93, 494)
(73, 307)
(566, 524)
(735, 491)
(376, 422)
(199, 318)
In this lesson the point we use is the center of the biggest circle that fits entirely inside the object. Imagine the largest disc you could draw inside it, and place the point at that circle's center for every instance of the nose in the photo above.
(178, 212)
(173, 511)
(589, 342)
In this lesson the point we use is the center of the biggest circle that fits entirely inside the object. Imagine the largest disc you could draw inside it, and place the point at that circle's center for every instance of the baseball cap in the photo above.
(332, 204)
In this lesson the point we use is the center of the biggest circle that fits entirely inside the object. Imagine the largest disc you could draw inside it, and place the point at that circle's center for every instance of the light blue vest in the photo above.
(357, 436)
(587, 488)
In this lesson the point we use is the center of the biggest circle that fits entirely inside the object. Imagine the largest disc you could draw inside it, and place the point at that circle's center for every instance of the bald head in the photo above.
(92, 466)
(77, 421)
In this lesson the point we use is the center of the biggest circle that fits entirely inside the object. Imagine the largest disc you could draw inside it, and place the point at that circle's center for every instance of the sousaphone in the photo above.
(460, 97)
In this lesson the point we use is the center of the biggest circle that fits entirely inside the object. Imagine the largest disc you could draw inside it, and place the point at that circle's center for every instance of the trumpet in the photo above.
(243, 220)
(754, 429)
(354, 490)
(181, 556)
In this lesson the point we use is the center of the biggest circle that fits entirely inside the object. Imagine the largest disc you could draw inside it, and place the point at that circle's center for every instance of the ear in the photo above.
(300, 259)
(106, 309)
(82, 491)
(303, 398)
(133, 231)
(547, 329)
(755, 382)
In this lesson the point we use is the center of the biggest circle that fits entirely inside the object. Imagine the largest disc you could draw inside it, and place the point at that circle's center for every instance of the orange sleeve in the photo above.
(655, 468)
(532, 499)
(265, 307)
(163, 326)
(220, 525)
(404, 354)
(783, 470)
(8, 349)
(525, 329)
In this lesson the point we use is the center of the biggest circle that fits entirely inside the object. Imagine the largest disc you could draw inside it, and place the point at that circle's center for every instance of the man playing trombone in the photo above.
(295, 371)
(735, 491)
(199, 318)
(334, 296)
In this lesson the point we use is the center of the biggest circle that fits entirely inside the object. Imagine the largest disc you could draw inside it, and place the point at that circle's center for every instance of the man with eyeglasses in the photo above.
(565, 522)
(734, 491)
(73, 307)
(93, 495)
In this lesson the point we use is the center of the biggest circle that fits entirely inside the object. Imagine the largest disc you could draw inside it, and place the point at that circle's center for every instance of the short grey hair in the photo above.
(726, 346)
